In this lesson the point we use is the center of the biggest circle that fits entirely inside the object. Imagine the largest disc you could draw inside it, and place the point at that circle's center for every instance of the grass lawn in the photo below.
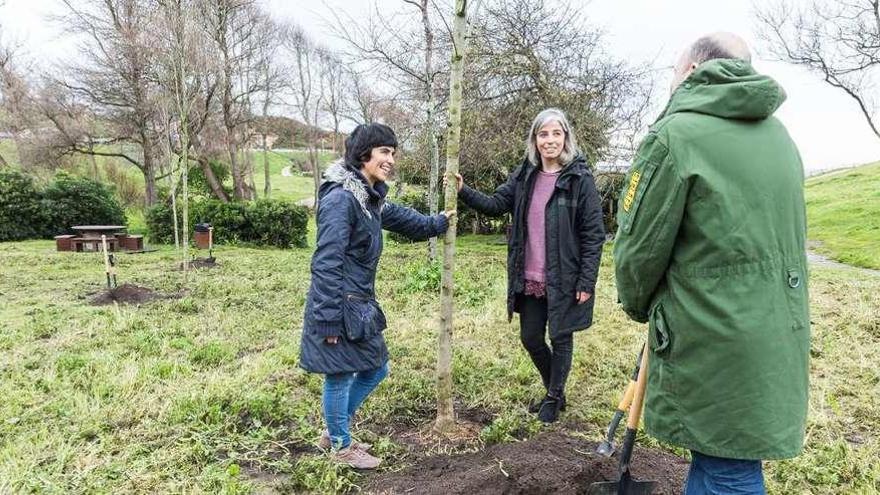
(201, 393)
(843, 215)
(294, 187)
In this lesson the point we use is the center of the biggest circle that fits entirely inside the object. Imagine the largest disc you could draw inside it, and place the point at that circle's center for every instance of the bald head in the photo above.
(718, 45)
(710, 47)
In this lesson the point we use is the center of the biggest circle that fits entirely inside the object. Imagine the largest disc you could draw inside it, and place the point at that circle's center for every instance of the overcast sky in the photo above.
(824, 122)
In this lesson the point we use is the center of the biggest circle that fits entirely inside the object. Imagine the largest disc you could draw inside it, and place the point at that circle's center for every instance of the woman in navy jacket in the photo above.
(343, 323)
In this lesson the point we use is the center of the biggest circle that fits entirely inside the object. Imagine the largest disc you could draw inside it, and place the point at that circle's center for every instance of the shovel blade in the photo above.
(606, 449)
(626, 486)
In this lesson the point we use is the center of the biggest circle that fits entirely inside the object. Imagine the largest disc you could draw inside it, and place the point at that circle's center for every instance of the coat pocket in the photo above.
(659, 337)
(796, 296)
(362, 318)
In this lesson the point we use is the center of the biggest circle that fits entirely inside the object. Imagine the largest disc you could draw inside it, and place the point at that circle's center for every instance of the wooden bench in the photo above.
(62, 242)
(132, 242)
(89, 244)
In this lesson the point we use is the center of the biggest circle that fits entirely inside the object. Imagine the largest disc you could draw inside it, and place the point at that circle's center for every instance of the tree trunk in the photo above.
(149, 170)
(239, 188)
(185, 178)
(3, 162)
(96, 175)
(316, 171)
(432, 183)
(213, 181)
(267, 187)
(249, 173)
(335, 133)
(430, 125)
(174, 214)
(445, 411)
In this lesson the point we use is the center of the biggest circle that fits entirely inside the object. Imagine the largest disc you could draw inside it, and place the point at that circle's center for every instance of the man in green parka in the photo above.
(710, 253)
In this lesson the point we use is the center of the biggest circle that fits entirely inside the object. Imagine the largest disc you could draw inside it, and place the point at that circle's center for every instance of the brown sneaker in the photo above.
(355, 458)
(324, 443)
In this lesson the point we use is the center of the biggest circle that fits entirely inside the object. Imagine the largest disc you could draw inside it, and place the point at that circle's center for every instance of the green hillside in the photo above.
(843, 215)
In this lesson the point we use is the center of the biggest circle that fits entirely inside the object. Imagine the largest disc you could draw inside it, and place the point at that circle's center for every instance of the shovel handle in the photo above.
(635, 409)
(628, 393)
(627, 398)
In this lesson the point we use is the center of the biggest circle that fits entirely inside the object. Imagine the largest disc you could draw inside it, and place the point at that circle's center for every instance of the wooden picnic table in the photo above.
(90, 237)
(99, 230)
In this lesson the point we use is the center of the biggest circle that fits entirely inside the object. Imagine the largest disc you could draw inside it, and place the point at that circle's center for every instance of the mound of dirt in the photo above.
(548, 463)
(126, 294)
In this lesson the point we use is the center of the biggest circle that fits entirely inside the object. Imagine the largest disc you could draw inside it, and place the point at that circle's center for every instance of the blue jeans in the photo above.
(343, 395)
(719, 476)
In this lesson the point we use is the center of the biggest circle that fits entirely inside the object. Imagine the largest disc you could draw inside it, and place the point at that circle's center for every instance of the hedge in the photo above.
(28, 212)
(263, 222)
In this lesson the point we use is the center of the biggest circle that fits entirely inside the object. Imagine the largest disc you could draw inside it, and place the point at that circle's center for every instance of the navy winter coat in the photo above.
(342, 297)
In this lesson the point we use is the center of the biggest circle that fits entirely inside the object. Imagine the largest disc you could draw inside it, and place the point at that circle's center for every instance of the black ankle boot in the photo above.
(549, 410)
(535, 406)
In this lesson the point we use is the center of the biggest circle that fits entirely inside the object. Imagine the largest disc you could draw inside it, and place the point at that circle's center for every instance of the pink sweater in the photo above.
(535, 249)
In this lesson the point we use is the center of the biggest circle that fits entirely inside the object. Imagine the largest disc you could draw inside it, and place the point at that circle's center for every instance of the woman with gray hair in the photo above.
(554, 248)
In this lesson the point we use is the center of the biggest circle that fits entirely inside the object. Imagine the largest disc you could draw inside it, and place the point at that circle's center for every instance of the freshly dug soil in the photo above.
(547, 463)
(126, 294)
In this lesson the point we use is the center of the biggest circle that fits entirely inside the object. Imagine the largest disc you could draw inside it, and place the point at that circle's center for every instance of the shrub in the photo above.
(160, 223)
(230, 220)
(279, 223)
(264, 222)
(73, 200)
(21, 213)
(26, 212)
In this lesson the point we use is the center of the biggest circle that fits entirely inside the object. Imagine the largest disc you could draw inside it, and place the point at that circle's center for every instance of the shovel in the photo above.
(626, 485)
(607, 448)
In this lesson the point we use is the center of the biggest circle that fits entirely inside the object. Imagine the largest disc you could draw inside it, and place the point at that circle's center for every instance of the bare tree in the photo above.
(116, 80)
(272, 82)
(15, 95)
(445, 409)
(411, 56)
(183, 55)
(308, 91)
(362, 100)
(237, 29)
(527, 56)
(839, 40)
(334, 100)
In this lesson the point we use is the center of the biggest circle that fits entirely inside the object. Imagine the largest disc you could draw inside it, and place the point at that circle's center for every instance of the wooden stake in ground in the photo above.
(445, 411)
(109, 266)
(211, 244)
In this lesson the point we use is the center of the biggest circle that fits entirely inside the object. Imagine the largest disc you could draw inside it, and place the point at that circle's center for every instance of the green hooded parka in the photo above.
(710, 252)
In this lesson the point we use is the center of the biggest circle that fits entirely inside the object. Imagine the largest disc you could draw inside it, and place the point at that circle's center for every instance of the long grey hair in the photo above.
(569, 147)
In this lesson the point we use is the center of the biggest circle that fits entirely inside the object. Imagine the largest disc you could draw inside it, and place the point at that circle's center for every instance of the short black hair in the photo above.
(360, 143)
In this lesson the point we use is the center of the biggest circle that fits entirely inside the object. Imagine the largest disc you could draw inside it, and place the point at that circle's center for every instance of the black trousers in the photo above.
(554, 362)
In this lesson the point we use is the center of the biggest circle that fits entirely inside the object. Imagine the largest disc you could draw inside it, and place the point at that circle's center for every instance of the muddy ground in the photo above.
(551, 462)
(126, 294)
